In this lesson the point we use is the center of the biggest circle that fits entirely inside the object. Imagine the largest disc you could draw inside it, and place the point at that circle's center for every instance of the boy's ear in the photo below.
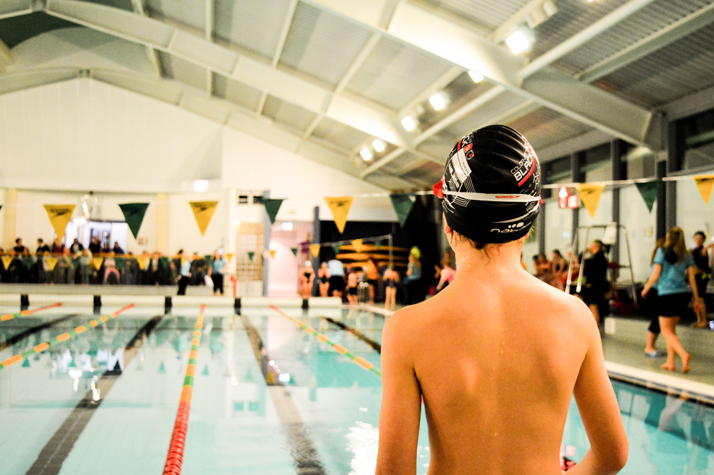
(447, 229)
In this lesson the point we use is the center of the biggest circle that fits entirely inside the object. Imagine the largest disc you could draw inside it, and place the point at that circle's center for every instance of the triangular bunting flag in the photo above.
(26, 363)
(142, 261)
(60, 216)
(51, 262)
(229, 256)
(357, 244)
(205, 371)
(704, 184)
(403, 205)
(134, 215)
(336, 248)
(162, 368)
(248, 376)
(203, 211)
(590, 195)
(97, 262)
(378, 244)
(272, 206)
(251, 255)
(340, 208)
(6, 260)
(294, 250)
(315, 249)
(648, 191)
(272, 253)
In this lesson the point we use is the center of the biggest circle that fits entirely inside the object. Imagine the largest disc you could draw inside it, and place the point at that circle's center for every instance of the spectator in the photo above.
(370, 269)
(57, 247)
(536, 268)
(413, 279)
(436, 280)
(560, 270)
(216, 271)
(199, 269)
(76, 247)
(323, 274)
(351, 289)
(596, 285)
(111, 274)
(673, 269)
(184, 273)
(41, 247)
(306, 279)
(85, 271)
(105, 248)
(117, 250)
(651, 299)
(19, 248)
(95, 247)
(447, 275)
(64, 273)
(337, 276)
(154, 269)
(391, 281)
(702, 274)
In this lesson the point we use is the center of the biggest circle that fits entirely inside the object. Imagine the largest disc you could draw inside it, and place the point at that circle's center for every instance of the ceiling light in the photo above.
(437, 102)
(408, 123)
(378, 145)
(518, 41)
(477, 77)
(199, 186)
(366, 154)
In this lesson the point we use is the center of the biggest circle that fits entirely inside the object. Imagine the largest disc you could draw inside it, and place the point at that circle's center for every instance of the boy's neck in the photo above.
(490, 261)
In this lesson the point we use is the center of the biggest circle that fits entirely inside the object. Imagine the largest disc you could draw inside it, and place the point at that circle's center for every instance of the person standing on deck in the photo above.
(498, 354)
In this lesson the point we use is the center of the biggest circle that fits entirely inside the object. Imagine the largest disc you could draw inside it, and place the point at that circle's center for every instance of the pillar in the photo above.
(162, 223)
(10, 224)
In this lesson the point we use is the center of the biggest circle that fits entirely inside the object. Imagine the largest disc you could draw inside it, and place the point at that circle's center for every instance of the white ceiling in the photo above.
(325, 78)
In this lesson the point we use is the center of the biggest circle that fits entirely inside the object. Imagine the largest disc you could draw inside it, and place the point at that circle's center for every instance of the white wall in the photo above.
(640, 225)
(692, 214)
(87, 135)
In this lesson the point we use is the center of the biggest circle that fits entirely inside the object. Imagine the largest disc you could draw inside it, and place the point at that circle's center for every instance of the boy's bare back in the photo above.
(496, 358)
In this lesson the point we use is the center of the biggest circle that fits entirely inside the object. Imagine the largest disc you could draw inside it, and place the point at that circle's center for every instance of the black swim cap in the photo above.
(491, 186)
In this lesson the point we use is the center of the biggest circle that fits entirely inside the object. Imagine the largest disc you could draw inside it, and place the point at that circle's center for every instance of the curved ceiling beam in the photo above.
(228, 63)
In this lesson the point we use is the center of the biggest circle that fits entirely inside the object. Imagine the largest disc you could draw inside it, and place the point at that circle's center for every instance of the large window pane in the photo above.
(558, 228)
(695, 136)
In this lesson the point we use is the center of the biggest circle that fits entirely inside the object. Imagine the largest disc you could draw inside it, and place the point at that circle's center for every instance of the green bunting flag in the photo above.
(403, 204)
(251, 255)
(648, 191)
(378, 244)
(272, 207)
(336, 248)
(134, 215)
(294, 251)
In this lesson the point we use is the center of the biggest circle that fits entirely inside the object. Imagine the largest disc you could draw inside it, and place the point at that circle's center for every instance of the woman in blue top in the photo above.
(216, 270)
(673, 271)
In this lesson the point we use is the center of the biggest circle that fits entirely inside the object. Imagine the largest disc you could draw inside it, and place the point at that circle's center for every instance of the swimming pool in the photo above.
(318, 412)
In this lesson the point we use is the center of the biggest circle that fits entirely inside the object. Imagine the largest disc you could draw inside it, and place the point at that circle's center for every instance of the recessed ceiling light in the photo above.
(199, 186)
(518, 42)
(408, 123)
(366, 154)
(477, 77)
(378, 145)
(437, 102)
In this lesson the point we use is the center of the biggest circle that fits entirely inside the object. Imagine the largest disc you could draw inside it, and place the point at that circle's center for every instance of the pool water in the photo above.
(318, 412)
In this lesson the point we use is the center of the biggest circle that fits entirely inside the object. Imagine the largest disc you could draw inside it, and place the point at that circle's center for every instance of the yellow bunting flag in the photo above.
(590, 196)
(357, 243)
(51, 262)
(6, 261)
(142, 260)
(203, 211)
(272, 253)
(97, 262)
(229, 256)
(315, 249)
(340, 208)
(60, 216)
(705, 183)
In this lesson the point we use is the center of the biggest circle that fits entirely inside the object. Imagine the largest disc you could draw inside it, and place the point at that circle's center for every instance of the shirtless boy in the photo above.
(496, 355)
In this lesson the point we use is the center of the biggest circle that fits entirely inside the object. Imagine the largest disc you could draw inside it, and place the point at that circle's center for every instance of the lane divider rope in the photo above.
(174, 459)
(363, 363)
(61, 339)
(24, 313)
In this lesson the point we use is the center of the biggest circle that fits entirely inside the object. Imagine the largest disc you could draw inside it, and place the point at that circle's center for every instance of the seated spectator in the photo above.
(64, 270)
(19, 248)
(57, 247)
(199, 270)
(537, 271)
(117, 250)
(105, 248)
(41, 247)
(76, 247)
(48, 273)
(85, 269)
(95, 247)
(447, 275)
(560, 270)
(111, 274)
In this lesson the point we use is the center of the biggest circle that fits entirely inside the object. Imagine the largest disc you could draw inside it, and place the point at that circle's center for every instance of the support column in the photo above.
(10, 210)
(541, 230)
(576, 159)
(162, 223)
(617, 148)
(661, 216)
(673, 165)
(267, 228)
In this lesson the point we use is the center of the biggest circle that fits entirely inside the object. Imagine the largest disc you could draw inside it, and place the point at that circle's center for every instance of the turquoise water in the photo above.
(325, 415)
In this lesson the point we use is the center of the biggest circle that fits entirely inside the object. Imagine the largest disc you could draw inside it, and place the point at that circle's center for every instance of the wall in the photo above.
(558, 234)
(692, 213)
(251, 164)
(640, 225)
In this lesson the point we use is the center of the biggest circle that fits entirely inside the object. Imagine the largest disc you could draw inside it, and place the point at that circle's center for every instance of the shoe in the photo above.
(655, 354)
